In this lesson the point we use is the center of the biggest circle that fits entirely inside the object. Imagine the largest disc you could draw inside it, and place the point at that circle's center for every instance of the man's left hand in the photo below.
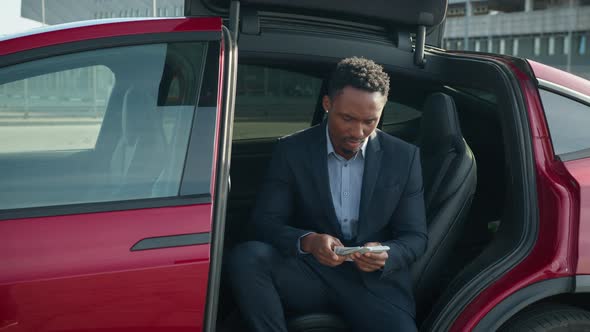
(369, 262)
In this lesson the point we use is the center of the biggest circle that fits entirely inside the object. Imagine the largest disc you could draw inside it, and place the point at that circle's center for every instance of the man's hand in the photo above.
(321, 246)
(370, 261)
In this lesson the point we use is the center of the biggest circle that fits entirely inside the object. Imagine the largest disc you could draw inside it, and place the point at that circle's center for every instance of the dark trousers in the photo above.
(267, 284)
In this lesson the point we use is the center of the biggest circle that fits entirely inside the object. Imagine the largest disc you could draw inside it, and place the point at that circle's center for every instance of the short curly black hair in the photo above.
(360, 73)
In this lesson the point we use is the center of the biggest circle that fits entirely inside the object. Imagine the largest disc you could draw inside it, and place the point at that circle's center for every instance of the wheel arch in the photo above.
(564, 289)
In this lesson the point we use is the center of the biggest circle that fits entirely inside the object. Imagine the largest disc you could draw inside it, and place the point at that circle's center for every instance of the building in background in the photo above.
(52, 12)
(554, 32)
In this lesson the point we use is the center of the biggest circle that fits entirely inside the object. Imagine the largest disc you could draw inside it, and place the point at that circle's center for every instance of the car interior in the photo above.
(465, 169)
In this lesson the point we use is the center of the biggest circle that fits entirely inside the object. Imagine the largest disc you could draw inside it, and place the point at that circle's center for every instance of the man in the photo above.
(342, 183)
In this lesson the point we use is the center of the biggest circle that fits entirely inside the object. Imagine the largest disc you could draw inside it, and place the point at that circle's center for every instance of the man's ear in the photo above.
(326, 103)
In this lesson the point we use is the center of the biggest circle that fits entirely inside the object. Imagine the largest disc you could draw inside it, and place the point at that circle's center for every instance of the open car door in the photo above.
(108, 168)
(416, 18)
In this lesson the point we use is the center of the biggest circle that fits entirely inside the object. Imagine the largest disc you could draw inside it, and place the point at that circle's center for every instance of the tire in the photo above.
(549, 318)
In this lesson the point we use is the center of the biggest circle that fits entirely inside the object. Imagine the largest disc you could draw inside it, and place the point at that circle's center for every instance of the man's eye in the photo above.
(347, 118)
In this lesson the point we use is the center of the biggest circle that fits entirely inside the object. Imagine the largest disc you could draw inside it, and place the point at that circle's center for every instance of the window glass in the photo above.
(485, 95)
(396, 113)
(273, 102)
(56, 111)
(103, 125)
(568, 122)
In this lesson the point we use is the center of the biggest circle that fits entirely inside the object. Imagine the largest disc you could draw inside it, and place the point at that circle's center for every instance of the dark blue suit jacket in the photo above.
(295, 199)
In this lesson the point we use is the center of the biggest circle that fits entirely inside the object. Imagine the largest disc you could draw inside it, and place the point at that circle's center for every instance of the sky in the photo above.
(10, 19)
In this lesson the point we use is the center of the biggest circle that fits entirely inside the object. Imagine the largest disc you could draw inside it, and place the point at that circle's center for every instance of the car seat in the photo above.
(450, 177)
(138, 158)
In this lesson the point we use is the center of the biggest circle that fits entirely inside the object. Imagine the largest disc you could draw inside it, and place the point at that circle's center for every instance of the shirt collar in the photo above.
(331, 147)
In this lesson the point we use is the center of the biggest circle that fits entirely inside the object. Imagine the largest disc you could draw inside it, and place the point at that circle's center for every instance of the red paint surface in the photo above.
(77, 272)
(103, 29)
(580, 170)
(563, 78)
(555, 252)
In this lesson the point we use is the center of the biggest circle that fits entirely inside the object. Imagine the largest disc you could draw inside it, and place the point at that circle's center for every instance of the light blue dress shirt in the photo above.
(346, 182)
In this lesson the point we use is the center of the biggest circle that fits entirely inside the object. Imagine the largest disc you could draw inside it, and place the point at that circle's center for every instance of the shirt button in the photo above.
(345, 165)
(346, 193)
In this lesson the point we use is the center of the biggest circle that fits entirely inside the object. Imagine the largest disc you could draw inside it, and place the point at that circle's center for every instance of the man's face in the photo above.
(353, 115)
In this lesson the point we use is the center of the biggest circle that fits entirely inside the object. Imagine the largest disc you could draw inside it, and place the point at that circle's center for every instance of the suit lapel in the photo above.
(319, 157)
(370, 176)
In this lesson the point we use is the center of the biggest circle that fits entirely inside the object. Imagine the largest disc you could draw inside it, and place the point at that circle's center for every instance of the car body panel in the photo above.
(554, 254)
(75, 272)
(560, 77)
(82, 31)
(81, 272)
(577, 88)
(580, 171)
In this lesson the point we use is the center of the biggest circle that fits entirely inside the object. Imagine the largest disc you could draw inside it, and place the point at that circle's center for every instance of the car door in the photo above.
(107, 162)
(566, 102)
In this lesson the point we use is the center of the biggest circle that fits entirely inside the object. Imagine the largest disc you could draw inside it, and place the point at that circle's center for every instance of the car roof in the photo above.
(560, 77)
(93, 29)
(64, 26)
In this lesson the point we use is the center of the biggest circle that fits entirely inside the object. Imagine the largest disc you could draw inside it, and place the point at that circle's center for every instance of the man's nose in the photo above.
(358, 131)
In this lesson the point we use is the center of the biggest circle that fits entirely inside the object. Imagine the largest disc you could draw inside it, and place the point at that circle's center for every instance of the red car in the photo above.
(117, 136)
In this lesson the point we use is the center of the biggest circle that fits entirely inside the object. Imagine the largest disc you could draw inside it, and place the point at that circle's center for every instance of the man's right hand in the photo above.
(321, 246)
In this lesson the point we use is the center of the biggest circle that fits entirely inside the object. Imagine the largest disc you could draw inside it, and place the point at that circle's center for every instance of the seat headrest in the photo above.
(439, 121)
(138, 113)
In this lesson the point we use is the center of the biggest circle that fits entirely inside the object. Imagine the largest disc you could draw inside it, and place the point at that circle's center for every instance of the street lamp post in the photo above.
(43, 12)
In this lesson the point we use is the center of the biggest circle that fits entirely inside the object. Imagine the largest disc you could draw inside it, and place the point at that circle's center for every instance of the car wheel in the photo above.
(549, 317)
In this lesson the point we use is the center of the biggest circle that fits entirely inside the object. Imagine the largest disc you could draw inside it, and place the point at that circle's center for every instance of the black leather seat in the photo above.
(449, 171)
(450, 177)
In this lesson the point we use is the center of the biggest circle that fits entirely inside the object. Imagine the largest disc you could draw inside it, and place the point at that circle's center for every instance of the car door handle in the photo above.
(170, 241)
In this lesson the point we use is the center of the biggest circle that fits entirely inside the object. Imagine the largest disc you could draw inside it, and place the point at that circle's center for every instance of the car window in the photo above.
(485, 95)
(62, 110)
(396, 113)
(103, 125)
(568, 122)
(273, 102)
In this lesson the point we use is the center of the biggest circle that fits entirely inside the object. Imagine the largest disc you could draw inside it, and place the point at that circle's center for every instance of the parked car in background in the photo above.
(118, 139)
